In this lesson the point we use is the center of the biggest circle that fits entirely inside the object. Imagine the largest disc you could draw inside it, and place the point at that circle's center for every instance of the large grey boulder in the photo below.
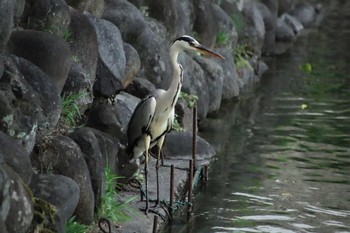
(16, 208)
(111, 60)
(16, 157)
(77, 84)
(48, 15)
(132, 66)
(94, 7)
(215, 80)
(126, 17)
(147, 36)
(114, 156)
(177, 16)
(205, 24)
(83, 44)
(112, 120)
(269, 18)
(140, 87)
(6, 22)
(53, 58)
(20, 105)
(61, 192)
(64, 157)
(231, 83)
(254, 28)
(195, 83)
(89, 145)
(178, 145)
(42, 85)
(305, 13)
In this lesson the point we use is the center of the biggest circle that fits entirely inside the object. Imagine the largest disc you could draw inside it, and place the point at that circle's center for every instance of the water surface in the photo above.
(283, 165)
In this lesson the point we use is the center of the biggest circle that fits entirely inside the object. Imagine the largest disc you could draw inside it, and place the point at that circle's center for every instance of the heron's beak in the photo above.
(206, 51)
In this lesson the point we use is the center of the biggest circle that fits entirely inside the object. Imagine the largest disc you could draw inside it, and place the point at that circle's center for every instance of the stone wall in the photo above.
(110, 53)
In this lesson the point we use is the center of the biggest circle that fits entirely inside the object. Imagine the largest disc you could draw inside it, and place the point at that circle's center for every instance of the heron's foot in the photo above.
(156, 210)
(146, 210)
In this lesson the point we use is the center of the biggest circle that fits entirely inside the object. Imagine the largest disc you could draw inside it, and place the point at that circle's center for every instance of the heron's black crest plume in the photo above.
(188, 39)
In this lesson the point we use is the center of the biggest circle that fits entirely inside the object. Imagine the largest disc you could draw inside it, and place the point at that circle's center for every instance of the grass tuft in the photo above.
(73, 227)
(70, 114)
(110, 208)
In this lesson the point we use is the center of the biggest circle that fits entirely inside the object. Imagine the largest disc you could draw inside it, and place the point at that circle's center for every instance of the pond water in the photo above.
(283, 162)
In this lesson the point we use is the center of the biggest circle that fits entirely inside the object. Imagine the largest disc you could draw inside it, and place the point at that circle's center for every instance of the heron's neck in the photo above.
(176, 83)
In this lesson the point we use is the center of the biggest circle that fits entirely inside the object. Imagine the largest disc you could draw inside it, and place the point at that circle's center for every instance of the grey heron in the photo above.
(153, 117)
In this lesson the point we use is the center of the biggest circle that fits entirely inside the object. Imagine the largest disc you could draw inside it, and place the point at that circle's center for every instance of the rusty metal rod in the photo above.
(155, 224)
(205, 173)
(190, 185)
(172, 177)
(194, 136)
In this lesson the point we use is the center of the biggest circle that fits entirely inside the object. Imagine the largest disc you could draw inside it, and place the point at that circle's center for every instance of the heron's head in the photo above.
(188, 43)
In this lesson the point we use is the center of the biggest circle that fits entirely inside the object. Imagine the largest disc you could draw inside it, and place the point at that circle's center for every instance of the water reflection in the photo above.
(290, 170)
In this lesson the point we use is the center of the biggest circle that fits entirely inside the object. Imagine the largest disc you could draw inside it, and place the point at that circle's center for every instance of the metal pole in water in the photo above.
(194, 136)
(190, 186)
(155, 224)
(171, 189)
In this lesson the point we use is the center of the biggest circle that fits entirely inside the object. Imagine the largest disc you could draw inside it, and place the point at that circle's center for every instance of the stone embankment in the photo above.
(96, 59)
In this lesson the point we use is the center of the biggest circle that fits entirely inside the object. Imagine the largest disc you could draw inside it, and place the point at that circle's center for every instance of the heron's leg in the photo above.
(147, 143)
(159, 144)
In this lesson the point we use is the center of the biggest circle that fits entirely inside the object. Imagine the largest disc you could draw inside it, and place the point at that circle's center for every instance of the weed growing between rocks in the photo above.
(73, 227)
(70, 115)
(110, 208)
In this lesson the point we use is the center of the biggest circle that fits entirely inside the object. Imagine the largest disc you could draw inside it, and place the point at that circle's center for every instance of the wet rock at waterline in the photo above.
(16, 209)
(16, 157)
(231, 83)
(60, 191)
(53, 59)
(178, 145)
(61, 155)
(214, 79)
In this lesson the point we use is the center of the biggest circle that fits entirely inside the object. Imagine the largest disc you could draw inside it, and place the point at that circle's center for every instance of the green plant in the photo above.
(242, 53)
(222, 38)
(176, 125)
(189, 98)
(110, 208)
(73, 227)
(74, 58)
(70, 114)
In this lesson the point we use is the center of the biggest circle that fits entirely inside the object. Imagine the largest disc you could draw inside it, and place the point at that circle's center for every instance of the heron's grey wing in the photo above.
(140, 120)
